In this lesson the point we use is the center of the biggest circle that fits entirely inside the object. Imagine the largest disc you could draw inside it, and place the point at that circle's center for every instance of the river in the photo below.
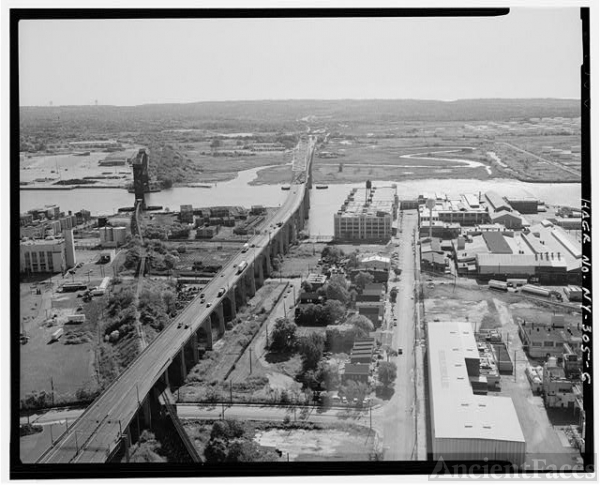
(323, 202)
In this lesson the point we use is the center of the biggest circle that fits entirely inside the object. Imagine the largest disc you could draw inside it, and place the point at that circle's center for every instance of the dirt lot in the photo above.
(328, 444)
(301, 260)
(70, 367)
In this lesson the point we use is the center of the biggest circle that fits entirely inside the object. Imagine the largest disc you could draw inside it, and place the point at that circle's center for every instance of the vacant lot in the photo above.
(328, 444)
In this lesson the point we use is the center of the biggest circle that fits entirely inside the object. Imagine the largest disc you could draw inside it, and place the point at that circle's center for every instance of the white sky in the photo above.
(532, 52)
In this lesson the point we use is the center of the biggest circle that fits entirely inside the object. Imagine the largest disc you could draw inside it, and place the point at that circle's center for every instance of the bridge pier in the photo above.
(231, 298)
(182, 366)
(251, 281)
(207, 326)
(258, 271)
(195, 353)
(221, 319)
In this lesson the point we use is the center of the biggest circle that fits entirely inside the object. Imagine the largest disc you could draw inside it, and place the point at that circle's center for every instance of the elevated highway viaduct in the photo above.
(115, 419)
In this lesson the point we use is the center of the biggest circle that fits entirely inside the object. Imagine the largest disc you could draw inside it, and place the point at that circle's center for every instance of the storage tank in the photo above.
(498, 285)
(535, 290)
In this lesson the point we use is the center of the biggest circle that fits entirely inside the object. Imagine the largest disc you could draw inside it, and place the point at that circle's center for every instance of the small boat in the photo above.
(321, 187)
(285, 187)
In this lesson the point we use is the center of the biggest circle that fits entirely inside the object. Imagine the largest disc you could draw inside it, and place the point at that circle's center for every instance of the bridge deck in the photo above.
(93, 437)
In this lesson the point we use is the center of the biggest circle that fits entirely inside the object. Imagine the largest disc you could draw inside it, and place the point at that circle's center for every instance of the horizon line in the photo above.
(294, 100)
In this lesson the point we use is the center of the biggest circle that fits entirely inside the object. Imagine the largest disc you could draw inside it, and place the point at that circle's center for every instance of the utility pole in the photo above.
(52, 387)
(230, 393)
(250, 355)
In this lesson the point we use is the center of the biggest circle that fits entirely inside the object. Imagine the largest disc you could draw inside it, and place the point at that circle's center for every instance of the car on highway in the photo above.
(221, 292)
(202, 295)
(208, 304)
(187, 325)
(400, 351)
(180, 325)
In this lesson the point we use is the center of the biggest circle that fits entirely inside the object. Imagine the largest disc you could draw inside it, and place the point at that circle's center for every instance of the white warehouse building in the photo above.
(464, 425)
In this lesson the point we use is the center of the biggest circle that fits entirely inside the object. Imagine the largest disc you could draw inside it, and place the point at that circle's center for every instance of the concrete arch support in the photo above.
(221, 318)
(206, 325)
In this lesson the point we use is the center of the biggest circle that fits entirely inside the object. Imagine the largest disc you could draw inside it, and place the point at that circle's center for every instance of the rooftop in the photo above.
(369, 202)
(357, 369)
(456, 411)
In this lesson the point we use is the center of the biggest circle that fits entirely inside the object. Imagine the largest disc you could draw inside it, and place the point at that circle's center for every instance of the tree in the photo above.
(328, 374)
(386, 373)
(362, 324)
(332, 254)
(336, 289)
(283, 335)
(353, 389)
(215, 143)
(216, 450)
(311, 350)
(306, 286)
(353, 261)
(362, 279)
(335, 311)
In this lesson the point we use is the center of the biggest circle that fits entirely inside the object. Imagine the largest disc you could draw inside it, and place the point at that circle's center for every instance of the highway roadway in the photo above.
(97, 431)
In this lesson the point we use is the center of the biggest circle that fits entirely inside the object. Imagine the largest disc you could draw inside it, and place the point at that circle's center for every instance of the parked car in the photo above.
(344, 400)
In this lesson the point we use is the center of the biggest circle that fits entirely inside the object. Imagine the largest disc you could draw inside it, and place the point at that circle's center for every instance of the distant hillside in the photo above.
(285, 114)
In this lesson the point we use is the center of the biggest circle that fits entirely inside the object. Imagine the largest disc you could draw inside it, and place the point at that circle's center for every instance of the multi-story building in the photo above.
(52, 255)
(464, 210)
(366, 215)
(542, 340)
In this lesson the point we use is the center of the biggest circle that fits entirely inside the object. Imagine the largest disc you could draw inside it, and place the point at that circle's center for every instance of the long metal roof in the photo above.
(456, 411)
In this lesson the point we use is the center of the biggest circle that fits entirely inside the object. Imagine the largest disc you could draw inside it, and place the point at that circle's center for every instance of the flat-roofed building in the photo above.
(466, 426)
(52, 255)
(464, 211)
(316, 280)
(366, 215)
(375, 262)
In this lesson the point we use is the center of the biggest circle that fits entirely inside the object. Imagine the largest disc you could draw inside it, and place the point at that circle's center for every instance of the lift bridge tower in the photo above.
(141, 179)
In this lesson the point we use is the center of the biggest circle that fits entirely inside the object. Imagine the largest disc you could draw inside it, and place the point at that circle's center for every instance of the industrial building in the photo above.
(525, 205)
(541, 340)
(50, 255)
(496, 203)
(464, 425)
(112, 237)
(375, 262)
(465, 211)
(366, 215)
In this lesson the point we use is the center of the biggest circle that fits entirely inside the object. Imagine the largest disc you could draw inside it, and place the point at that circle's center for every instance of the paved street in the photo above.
(397, 419)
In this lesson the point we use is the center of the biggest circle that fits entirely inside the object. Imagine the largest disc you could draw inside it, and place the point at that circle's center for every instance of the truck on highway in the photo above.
(241, 267)
(76, 319)
(56, 335)
(245, 247)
